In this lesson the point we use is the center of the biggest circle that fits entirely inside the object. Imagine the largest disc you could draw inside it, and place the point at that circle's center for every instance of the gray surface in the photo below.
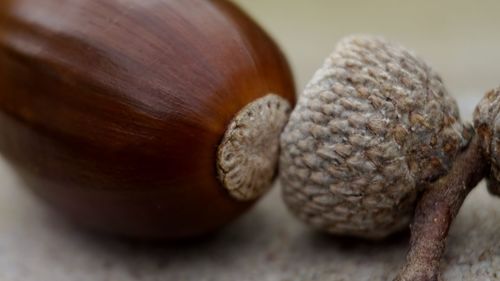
(266, 244)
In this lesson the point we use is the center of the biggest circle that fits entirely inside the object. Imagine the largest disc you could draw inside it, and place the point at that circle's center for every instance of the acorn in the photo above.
(150, 119)
(376, 143)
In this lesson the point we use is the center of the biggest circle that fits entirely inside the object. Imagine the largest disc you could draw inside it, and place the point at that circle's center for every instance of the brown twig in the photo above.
(435, 212)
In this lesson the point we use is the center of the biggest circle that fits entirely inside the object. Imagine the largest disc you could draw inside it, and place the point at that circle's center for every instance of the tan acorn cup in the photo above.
(374, 140)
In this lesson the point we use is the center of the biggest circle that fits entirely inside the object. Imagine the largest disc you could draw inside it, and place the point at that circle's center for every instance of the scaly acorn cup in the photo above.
(153, 119)
(487, 125)
(374, 140)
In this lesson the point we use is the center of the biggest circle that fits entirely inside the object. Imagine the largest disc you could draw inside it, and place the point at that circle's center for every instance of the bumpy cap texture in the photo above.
(248, 155)
(487, 125)
(373, 126)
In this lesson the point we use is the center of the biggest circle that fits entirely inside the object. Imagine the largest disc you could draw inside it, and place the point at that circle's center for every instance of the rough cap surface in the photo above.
(487, 124)
(248, 155)
(373, 126)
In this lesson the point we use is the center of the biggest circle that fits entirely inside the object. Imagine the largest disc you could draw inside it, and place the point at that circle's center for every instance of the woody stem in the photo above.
(435, 212)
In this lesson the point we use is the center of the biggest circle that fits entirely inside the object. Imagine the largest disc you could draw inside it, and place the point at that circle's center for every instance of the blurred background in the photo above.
(460, 39)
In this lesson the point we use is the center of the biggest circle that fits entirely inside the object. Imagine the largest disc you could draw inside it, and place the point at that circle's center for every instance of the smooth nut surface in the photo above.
(113, 111)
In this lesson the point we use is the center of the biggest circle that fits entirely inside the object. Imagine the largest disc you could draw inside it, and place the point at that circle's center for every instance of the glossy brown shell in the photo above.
(113, 110)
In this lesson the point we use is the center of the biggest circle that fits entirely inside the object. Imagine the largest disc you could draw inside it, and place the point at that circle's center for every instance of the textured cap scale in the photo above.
(487, 124)
(374, 125)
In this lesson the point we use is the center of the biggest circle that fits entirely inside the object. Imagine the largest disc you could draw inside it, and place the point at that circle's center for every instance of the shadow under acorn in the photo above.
(267, 243)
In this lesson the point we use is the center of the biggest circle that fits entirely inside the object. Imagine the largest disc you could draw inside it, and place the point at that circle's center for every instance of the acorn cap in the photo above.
(373, 126)
(487, 125)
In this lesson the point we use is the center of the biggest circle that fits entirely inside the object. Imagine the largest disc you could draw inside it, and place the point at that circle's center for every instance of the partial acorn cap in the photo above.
(487, 125)
(374, 125)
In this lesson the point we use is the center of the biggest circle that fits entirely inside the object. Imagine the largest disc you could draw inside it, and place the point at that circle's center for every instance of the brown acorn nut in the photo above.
(375, 138)
(155, 119)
